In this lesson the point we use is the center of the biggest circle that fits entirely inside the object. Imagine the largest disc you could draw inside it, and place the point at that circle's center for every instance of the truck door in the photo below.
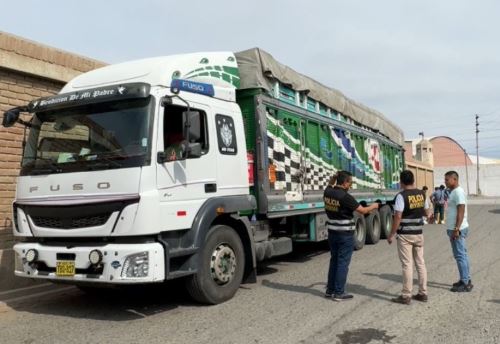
(184, 183)
(232, 171)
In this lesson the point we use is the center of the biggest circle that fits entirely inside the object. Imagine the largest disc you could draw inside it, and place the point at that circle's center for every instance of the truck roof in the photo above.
(216, 68)
(253, 68)
(258, 69)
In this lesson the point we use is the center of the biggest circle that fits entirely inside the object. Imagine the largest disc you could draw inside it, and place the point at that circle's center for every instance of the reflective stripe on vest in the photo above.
(409, 225)
(341, 225)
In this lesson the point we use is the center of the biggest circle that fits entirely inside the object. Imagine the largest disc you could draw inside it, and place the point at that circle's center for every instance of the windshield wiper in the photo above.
(51, 167)
(103, 160)
(103, 163)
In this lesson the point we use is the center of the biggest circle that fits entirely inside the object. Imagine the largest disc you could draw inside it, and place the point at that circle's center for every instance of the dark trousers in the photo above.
(438, 210)
(341, 248)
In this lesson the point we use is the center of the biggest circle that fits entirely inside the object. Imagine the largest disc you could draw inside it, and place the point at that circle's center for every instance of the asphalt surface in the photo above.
(287, 303)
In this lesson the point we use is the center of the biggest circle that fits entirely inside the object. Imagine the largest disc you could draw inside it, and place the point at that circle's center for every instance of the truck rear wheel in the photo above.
(385, 221)
(220, 269)
(372, 227)
(360, 231)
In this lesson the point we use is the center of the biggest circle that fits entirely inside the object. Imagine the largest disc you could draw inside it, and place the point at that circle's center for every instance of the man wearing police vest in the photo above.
(410, 206)
(339, 207)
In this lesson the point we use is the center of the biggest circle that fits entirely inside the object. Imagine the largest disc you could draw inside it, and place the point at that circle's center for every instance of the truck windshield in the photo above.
(91, 137)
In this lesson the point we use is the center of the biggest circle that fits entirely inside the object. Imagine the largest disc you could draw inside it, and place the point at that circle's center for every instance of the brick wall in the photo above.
(28, 70)
(15, 89)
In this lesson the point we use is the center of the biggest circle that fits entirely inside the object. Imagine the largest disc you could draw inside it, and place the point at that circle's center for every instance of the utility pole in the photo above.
(478, 190)
(466, 172)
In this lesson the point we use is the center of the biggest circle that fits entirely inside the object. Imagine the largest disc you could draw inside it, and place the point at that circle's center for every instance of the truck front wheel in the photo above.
(220, 267)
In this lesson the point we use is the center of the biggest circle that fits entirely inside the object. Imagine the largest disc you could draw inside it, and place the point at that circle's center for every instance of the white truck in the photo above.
(195, 166)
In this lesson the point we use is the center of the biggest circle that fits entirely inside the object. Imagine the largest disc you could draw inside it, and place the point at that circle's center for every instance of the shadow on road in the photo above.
(306, 289)
(399, 279)
(364, 336)
(302, 252)
(123, 304)
(139, 302)
(494, 301)
(494, 211)
(310, 289)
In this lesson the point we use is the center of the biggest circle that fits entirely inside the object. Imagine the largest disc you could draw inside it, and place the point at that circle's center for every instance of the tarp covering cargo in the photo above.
(258, 69)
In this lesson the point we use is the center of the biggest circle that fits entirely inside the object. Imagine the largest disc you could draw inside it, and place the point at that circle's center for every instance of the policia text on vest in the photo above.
(414, 210)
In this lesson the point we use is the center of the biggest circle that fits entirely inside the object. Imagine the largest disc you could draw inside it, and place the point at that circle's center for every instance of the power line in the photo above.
(483, 138)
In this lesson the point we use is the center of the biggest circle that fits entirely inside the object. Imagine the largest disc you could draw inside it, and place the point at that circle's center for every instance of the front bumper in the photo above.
(110, 270)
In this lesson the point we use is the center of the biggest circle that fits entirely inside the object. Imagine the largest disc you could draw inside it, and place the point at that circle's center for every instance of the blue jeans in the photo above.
(341, 248)
(459, 248)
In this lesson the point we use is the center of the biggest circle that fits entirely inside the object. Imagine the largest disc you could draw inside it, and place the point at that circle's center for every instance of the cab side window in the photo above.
(175, 130)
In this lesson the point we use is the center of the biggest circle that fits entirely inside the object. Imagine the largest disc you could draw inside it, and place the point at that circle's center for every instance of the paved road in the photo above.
(286, 305)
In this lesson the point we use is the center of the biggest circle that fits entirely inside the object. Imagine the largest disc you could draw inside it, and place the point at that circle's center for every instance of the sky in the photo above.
(428, 66)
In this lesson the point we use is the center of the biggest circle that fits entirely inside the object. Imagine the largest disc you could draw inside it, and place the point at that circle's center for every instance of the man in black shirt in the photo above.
(340, 207)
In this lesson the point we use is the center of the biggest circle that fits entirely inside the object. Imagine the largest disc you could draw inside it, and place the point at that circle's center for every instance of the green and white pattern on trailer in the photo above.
(229, 74)
(321, 153)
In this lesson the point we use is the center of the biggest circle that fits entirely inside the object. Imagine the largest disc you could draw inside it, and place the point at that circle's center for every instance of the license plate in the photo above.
(65, 268)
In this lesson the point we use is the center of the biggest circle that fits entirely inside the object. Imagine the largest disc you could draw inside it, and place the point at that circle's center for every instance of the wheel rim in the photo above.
(223, 264)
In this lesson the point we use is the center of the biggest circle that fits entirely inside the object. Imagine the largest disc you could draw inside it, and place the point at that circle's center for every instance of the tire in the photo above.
(360, 231)
(215, 283)
(373, 227)
(385, 221)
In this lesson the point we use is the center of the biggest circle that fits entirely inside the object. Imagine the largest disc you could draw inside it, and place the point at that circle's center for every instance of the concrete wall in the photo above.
(28, 70)
(489, 178)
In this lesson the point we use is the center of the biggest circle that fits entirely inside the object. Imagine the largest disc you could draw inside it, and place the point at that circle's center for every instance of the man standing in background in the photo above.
(458, 230)
(438, 200)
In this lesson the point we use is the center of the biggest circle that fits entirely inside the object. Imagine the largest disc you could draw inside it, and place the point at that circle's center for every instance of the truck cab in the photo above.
(127, 172)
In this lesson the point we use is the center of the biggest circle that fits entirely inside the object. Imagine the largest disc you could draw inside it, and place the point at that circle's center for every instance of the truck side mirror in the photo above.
(191, 125)
(10, 117)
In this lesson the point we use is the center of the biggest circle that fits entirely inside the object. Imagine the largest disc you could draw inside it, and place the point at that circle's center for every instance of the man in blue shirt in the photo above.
(438, 198)
(458, 229)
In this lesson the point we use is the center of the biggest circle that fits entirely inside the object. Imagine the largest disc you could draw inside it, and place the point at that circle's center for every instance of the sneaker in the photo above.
(461, 287)
(456, 284)
(420, 297)
(405, 300)
(328, 294)
(342, 297)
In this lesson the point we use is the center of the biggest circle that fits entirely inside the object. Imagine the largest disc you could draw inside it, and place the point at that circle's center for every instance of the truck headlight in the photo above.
(136, 265)
(95, 257)
(31, 255)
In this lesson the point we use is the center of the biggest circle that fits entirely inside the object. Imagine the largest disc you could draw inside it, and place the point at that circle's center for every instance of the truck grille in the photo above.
(71, 223)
